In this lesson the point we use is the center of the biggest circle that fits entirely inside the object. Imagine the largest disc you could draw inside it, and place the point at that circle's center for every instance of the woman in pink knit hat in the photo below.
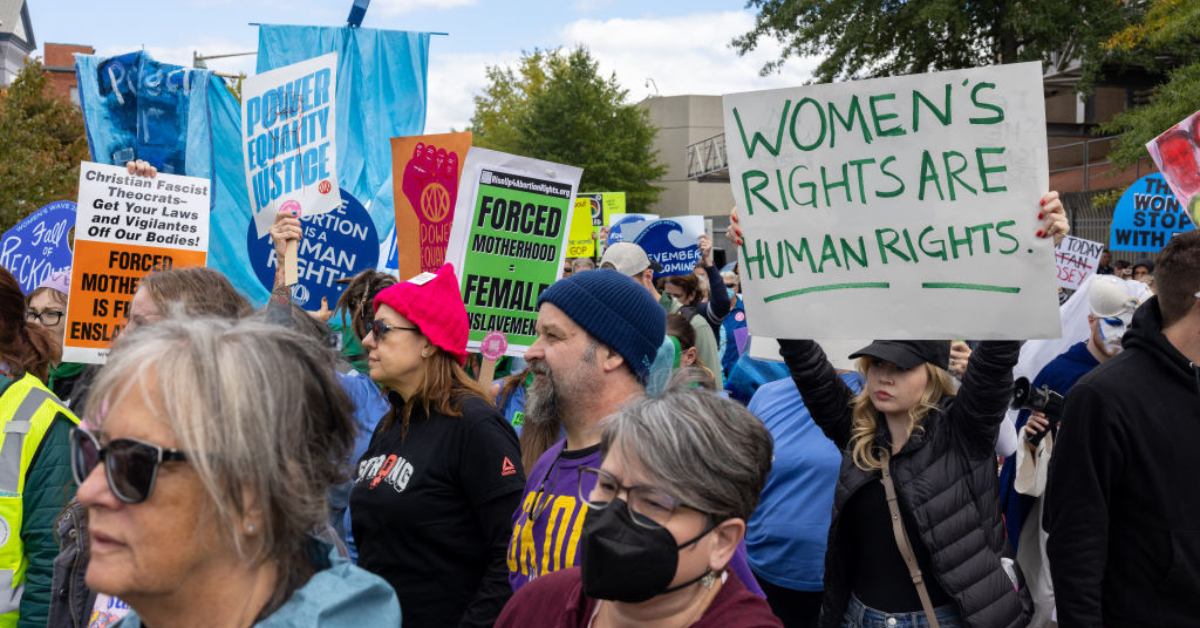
(435, 491)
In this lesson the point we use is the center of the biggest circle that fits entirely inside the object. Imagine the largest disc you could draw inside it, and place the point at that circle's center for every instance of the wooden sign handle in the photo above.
(291, 270)
(487, 373)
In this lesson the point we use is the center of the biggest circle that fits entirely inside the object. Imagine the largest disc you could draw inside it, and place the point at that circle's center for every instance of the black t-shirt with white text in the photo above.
(431, 513)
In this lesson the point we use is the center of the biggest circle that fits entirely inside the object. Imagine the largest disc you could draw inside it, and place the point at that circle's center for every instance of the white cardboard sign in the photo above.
(127, 226)
(902, 207)
(288, 140)
(1077, 260)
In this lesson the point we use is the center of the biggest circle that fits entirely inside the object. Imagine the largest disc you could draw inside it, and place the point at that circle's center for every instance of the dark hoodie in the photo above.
(1123, 500)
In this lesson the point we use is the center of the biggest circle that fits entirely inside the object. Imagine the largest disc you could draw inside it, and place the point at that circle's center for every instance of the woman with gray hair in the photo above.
(667, 508)
(216, 443)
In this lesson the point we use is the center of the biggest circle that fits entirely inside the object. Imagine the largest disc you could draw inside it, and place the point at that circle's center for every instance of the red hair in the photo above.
(25, 347)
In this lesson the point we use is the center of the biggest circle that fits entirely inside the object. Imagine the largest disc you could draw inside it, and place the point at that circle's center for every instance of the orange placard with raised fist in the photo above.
(425, 173)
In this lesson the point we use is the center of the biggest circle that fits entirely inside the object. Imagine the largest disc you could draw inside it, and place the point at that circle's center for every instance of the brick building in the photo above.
(60, 65)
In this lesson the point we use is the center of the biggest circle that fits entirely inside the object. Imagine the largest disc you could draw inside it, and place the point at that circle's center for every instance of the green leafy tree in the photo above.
(872, 38)
(556, 106)
(42, 141)
(1163, 39)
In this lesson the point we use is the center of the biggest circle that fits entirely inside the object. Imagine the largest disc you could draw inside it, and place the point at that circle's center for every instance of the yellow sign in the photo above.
(581, 243)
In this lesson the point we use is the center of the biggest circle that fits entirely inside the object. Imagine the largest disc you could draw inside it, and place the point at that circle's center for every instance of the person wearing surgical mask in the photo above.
(1111, 307)
(666, 510)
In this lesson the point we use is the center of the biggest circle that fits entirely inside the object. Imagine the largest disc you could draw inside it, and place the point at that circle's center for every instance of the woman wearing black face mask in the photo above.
(681, 474)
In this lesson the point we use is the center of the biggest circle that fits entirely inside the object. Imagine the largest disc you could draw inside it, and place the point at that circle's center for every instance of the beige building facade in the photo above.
(683, 121)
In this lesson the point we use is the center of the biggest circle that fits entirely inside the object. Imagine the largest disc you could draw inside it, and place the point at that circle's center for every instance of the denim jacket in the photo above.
(339, 595)
(71, 600)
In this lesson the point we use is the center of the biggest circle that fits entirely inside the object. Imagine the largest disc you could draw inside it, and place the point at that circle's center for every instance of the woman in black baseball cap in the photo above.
(916, 527)
(916, 538)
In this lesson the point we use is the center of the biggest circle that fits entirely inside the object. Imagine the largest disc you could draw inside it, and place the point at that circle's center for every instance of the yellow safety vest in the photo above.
(27, 408)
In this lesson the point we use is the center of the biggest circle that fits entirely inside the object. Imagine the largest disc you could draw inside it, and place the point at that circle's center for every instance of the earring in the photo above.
(250, 528)
(708, 580)
(424, 353)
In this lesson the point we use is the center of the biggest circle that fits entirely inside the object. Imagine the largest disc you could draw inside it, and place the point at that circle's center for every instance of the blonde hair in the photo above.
(865, 418)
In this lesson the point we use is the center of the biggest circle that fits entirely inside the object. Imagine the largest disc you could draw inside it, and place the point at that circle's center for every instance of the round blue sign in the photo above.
(616, 232)
(1147, 216)
(341, 243)
(37, 246)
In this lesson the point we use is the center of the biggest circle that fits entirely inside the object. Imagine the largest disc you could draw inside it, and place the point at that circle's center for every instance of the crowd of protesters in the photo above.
(232, 467)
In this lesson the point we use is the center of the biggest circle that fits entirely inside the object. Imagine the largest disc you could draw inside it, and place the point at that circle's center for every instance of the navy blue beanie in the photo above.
(616, 311)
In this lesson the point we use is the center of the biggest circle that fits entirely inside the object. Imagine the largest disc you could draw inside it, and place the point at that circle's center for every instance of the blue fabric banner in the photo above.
(186, 121)
(182, 121)
(381, 94)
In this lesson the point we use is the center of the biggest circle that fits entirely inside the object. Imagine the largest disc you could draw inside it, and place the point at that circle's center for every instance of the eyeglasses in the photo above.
(130, 466)
(648, 507)
(379, 328)
(48, 318)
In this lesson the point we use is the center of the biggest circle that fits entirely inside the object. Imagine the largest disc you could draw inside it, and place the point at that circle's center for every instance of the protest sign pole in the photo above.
(291, 263)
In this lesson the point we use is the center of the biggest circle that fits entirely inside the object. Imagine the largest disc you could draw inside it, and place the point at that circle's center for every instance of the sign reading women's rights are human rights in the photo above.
(902, 207)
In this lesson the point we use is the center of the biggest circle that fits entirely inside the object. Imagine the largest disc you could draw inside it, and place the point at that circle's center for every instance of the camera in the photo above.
(1044, 400)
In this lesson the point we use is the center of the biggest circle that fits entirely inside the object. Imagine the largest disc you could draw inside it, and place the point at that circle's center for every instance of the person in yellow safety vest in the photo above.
(35, 485)
(35, 469)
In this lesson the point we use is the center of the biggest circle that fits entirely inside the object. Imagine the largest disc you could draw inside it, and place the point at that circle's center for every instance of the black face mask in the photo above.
(626, 562)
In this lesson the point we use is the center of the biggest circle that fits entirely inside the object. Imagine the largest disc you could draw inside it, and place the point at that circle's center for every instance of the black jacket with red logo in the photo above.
(431, 513)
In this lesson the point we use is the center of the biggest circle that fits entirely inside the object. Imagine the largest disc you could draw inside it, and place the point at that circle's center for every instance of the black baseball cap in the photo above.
(908, 353)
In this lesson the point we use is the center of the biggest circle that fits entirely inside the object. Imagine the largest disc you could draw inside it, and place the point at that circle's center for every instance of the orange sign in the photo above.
(425, 173)
(104, 277)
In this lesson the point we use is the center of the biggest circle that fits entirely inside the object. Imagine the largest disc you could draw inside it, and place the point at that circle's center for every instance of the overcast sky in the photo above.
(681, 45)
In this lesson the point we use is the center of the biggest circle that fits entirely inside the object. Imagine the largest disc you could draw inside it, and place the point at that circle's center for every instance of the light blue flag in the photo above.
(186, 121)
(381, 94)
(182, 121)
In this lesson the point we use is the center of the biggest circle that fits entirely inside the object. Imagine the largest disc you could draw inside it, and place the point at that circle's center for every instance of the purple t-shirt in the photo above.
(549, 541)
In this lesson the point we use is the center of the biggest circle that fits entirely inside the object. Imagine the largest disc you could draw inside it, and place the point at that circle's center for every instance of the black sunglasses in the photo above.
(130, 466)
(379, 328)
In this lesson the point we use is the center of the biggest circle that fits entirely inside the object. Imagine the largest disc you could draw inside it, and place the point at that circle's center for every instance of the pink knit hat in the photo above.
(433, 303)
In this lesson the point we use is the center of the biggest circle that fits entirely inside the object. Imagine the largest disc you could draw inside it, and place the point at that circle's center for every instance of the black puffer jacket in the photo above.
(945, 477)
